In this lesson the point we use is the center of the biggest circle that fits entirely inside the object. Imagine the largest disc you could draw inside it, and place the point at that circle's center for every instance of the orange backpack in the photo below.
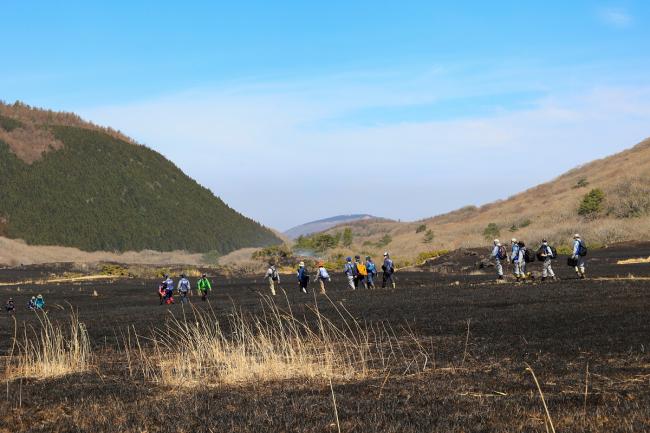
(361, 269)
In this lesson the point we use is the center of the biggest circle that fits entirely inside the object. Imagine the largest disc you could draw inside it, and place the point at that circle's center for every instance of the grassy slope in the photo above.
(551, 208)
(101, 193)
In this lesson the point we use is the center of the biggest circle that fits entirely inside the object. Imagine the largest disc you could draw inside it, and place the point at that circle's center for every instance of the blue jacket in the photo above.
(371, 268)
(388, 265)
(495, 251)
(349, 269)
(515, 253)
(302, 274)
(576, 247)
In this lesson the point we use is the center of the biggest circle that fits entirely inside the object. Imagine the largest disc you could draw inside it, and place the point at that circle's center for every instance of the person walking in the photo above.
(303, 277)
(579, 253)
(547, 255)
(499, 253)
(371, 269)
(10, 306)
(361, 273)
(31, 304)
(273, 278)
(522, 259)
(184, 289)
(203, 286)
(169, 290)
(514, 258)
(350, 271)
(323, 276)
(389, 269)
(39, 304)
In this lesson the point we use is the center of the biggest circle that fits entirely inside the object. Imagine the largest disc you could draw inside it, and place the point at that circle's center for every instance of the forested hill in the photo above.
(91, 188)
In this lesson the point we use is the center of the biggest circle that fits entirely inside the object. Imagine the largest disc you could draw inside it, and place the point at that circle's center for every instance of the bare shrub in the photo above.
(629, 198)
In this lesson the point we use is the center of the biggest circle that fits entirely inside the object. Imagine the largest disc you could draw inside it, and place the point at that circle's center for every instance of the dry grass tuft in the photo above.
(53, 350)
(275, 346)
(633, 261)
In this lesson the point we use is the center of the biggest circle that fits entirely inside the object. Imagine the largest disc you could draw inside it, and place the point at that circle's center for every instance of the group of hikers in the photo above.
(358, 274)
(166, 289)
(36, 303)
(520, 255)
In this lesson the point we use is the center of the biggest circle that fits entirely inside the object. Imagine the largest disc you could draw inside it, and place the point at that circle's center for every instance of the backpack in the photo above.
(274, 274)
(542, 251)
(502, 253)
(372, 269)
(361, 269)
(529, 257)
(322, 272)
(582, 249)
(184, 286)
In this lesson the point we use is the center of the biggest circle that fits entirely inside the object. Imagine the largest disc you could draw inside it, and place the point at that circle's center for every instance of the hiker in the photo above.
(39, 304)
(514, 258)
(499, 253)
(361, 274)
(323, 276)
(579, 253)
(546, 254)
(10, 306)
(169, 290)
(203, 286)
(372, 272)
(522, 259)
(162, 291)
(389, 269)
(350, 271)
(31, 305)
(184, 289)
(274, 278)
(303, 277)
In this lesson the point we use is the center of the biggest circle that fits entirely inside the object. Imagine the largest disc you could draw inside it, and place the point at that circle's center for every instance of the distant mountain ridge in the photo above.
(324, 224)
(67, 182)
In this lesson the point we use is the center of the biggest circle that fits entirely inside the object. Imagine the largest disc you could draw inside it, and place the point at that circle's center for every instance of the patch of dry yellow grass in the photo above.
(633, 261)
(52, 350)
(275, 346)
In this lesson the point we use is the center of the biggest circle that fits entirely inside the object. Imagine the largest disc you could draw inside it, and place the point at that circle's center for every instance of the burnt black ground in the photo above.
(560, 329)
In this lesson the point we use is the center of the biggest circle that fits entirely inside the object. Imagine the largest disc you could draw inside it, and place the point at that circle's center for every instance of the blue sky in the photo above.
(293, 111)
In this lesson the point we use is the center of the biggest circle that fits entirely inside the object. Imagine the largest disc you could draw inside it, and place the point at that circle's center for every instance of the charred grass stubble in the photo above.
(295, 368)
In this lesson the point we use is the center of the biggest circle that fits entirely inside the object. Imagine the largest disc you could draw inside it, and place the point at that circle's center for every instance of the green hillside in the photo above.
(97, 191)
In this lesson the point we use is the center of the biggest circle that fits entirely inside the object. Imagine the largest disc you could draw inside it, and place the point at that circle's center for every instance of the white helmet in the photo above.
(386, 254)
(496, 242)
(513, 240)
(576, 236)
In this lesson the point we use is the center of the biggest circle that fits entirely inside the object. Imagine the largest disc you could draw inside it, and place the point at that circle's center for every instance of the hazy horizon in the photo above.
(294, 112)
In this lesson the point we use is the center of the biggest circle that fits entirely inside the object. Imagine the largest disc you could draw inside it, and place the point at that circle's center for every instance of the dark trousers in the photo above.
(359, 280)
(386, 278)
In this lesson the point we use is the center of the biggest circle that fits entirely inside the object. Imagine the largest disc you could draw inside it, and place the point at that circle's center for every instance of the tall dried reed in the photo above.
(52, 350)
(272, 346)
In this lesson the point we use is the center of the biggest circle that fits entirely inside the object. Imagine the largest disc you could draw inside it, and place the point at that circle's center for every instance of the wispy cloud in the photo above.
(272, 151)
(615, 17)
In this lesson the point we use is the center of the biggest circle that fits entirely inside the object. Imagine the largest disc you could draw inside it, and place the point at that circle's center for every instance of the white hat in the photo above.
(496, 242)
(513, 240)
(576, 236)
(302, 264)
(385, 253)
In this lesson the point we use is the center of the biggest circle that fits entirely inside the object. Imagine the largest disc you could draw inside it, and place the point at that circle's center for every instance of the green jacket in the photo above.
(204, 285)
